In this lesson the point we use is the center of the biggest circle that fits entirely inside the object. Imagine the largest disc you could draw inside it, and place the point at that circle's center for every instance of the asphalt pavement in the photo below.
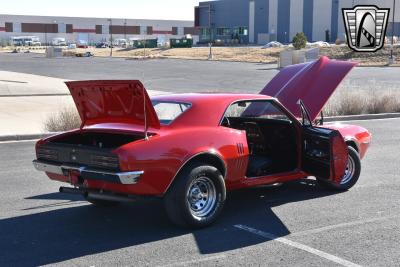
(174, 75)
(297, 224)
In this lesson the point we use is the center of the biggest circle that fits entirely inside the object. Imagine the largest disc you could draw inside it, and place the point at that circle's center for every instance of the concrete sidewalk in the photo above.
(26, 101)
(21, 84)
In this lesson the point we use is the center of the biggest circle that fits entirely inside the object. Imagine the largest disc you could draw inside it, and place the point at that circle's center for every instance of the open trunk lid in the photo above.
(113, 101)
(312, 82)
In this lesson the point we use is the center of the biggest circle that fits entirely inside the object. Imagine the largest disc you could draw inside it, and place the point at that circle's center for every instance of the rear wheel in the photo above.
(351, 174)
(197, 196)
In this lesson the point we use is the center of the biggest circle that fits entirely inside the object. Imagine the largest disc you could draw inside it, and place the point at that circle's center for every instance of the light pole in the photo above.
(54, 22)
(391, 49)
(111, 37)
(125, 29)
(45, 35)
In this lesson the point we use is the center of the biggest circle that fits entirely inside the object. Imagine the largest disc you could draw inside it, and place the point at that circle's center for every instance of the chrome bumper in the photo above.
(131, 177)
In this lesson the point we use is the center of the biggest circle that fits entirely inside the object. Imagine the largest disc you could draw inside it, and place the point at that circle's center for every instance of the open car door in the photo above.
(324, 151)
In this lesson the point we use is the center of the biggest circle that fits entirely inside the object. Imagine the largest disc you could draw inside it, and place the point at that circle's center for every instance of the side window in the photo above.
(169, 111)
(256, 109)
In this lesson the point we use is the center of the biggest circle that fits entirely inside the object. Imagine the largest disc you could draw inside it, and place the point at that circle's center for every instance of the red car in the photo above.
(189, 149)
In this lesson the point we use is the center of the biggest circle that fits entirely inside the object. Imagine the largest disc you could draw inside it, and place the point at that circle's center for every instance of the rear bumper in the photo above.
(128, 178)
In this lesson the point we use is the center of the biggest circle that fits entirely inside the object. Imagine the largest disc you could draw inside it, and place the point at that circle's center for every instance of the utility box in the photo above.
(181, 43)
(54, 52)
(148, 43)
(290, 57)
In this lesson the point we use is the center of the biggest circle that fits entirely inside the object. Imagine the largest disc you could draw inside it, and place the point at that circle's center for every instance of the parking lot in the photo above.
(297, 224)
(173, 75)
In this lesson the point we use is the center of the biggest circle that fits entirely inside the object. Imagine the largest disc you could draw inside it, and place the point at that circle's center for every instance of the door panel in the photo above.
(324, 153)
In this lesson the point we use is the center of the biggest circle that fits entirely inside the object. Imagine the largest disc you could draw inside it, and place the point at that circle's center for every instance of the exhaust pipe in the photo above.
(109, 197)
(96, 195)
(71, 190)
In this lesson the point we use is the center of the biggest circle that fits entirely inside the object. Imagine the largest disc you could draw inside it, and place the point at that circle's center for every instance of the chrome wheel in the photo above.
(349, 172)
(201, 197)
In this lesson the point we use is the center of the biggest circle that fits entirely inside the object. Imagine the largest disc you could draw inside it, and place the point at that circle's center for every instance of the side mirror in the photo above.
(320, 120)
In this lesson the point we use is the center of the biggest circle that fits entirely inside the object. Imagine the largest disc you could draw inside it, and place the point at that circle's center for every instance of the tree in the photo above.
(299, 41)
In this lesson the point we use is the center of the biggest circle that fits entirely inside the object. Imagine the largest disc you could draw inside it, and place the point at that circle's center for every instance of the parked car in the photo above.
(25, 41)
(190, 149)
(102, 45)
(59, 41)
(82, 44)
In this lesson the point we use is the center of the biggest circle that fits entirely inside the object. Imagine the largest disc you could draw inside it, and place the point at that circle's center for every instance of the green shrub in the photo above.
(299, 41)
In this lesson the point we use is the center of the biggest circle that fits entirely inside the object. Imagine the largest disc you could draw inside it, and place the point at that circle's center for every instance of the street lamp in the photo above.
(111, 37)
(391, 49)
(125, 29)
(54, 22)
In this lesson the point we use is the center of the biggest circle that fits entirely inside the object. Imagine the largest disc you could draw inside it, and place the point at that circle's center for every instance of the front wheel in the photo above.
(197, 196)
(351, 174)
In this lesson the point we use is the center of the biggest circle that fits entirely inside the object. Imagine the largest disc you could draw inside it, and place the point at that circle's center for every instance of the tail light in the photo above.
(105, 161)
(47, 154)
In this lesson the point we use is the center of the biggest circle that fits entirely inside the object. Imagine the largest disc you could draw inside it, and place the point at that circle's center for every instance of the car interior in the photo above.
(271, 136)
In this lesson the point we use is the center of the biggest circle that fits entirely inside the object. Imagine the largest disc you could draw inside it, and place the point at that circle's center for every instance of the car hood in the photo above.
(114, 101)
(312, 82)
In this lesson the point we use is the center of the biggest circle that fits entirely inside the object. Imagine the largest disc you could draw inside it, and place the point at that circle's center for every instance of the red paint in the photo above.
(84, 30)
(113, 106)
(312, 82)
(113, 102)
(2, 29)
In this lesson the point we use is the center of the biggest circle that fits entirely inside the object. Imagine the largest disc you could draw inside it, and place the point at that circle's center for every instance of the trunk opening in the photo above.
(97, 140)
(93, 149)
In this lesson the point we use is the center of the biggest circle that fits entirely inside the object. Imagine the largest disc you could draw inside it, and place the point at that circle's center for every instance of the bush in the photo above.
(299, 41)
(66, 119)
(368, 100)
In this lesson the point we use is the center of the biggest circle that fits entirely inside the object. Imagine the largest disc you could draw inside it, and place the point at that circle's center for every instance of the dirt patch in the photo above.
(251, 54)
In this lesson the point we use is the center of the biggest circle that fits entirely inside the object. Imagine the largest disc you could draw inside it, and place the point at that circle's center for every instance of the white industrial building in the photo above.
(91, 30)
(261, 21)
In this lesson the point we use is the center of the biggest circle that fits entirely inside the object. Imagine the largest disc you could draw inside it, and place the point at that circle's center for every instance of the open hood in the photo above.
(114, 101)
(312, 82)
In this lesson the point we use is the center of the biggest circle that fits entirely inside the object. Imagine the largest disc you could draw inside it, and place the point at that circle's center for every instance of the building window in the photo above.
(205, 33)
(241, 31)
(223, 31)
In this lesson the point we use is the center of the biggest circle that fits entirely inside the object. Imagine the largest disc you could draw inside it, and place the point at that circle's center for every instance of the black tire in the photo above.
(195, 176)
(351, 181)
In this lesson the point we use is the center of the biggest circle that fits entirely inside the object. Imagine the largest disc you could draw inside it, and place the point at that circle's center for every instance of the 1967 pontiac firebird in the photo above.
(189, 149)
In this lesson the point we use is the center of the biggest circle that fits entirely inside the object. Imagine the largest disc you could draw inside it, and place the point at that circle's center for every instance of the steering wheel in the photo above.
(225, 122)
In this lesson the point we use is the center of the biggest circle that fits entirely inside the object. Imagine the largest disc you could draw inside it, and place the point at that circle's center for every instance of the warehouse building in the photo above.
(90, 30)
(262, 21)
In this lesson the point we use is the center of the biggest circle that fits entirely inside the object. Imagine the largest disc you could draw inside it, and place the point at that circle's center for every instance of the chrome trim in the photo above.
(131, 177)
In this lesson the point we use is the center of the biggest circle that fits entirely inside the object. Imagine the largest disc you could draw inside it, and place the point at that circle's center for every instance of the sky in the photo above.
(136, 9)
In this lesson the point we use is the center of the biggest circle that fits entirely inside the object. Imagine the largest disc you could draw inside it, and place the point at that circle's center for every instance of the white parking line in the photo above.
(190, 262)
(297, 245)
(18, 141)
(342, 225)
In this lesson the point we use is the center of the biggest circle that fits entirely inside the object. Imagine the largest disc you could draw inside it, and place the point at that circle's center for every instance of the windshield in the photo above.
(167, 112)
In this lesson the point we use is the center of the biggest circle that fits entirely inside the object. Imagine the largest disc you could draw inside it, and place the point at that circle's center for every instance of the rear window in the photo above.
(167, 112)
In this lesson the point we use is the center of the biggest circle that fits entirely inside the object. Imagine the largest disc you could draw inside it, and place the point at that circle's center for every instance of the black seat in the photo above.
(258, 166)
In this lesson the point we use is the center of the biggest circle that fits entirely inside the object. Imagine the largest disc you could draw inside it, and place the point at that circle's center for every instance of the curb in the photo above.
(363, 117)
(26, 137)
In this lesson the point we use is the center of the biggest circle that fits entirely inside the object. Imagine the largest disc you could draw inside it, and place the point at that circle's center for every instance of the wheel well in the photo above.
(352, 144)
(210, 159)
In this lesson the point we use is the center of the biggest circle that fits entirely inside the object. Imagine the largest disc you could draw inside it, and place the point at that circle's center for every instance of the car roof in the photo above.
(206, 108)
